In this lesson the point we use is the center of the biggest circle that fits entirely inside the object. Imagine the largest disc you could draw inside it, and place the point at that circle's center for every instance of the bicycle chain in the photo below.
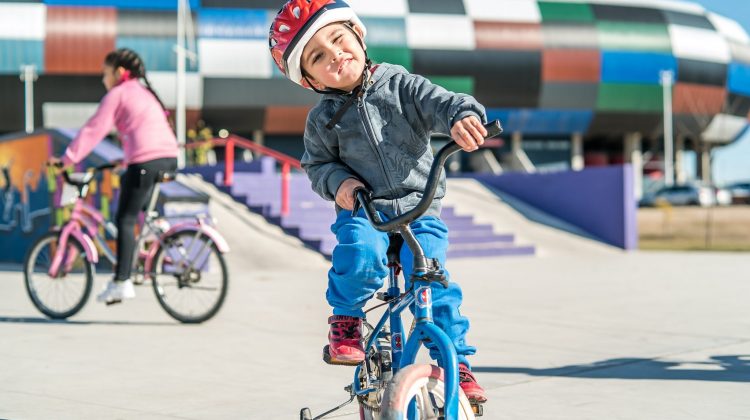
(364, 403)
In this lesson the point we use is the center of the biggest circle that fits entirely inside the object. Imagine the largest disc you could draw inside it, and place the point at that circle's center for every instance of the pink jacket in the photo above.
(140, 121)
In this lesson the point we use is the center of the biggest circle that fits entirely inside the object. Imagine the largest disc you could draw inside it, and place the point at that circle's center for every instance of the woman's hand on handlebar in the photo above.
(345, 194)
(469, 133)
(119, 166)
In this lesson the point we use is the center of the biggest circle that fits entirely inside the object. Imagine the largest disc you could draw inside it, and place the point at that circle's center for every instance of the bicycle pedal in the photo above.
(327, 358)
(477, 408)
(112, 302)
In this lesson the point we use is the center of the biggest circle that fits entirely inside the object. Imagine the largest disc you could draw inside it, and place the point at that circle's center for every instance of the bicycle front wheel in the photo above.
(423, 383)
(189, 277)
(65, 294)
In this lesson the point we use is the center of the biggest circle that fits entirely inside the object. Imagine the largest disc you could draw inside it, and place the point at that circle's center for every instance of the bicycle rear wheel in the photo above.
(424, 383)
(189, 277)
(64, 295)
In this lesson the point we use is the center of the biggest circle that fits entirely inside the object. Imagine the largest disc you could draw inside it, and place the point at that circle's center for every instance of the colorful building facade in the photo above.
(579, 76)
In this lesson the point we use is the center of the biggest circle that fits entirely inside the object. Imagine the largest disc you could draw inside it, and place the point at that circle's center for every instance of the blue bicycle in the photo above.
(388, 384)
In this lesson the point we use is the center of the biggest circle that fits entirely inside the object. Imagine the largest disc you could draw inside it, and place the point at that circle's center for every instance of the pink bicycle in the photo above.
(184, 263)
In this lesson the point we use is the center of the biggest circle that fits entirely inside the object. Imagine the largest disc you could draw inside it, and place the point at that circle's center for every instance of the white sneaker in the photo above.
(116, 291)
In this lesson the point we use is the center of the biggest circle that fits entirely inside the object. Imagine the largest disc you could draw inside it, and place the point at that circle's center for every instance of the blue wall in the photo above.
(597, 200)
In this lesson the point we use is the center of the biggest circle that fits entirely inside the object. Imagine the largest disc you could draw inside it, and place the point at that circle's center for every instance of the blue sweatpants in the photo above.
(360, 269)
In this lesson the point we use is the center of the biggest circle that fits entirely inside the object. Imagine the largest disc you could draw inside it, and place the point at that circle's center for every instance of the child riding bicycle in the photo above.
(381, 142)
(149, 145)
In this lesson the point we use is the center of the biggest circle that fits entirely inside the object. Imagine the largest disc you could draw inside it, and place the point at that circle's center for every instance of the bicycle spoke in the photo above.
(64, 295)
(191, 280)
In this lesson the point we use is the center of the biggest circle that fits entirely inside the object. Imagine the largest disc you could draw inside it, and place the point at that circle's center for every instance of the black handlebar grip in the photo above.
(493, 129)
(357, 204)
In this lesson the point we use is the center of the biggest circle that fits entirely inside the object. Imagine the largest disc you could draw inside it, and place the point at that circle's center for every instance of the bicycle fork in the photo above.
(426, 330)
(68, 256)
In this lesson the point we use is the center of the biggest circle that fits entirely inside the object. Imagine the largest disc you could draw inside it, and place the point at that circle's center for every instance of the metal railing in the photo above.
(232, 141)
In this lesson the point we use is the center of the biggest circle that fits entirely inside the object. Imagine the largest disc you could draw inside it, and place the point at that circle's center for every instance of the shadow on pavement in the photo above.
(728, 368)
(39, 320)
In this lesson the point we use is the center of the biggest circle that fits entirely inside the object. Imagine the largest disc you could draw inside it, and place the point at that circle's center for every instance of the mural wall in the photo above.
(24, 196)
(30, 192)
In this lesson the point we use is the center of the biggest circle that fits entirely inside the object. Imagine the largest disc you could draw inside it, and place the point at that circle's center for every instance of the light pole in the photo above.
(184, 35)
(667, 79)
(180, 106)
(28, 77)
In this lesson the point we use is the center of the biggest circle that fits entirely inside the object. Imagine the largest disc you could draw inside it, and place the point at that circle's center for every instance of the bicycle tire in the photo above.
(160, 273)
(30, 276)
(409, 383)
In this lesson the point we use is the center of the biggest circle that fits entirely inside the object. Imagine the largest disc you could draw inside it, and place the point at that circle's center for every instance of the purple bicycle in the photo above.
(184, 263)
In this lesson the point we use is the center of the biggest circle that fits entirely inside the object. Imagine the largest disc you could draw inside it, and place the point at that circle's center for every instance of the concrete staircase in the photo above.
(258, 185)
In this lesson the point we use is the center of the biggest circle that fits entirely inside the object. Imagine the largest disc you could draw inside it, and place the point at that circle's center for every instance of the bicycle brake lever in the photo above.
(357, 204)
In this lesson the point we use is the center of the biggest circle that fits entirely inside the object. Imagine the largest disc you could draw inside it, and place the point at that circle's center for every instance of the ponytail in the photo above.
(133, 64)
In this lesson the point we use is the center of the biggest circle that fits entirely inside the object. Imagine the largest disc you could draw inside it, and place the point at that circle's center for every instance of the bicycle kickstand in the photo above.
(306, 414)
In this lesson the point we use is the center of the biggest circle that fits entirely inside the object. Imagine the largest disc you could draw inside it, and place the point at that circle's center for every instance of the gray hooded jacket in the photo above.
(383, 139)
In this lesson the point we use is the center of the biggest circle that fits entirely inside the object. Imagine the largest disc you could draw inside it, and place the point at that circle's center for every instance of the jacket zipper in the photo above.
(373, 142)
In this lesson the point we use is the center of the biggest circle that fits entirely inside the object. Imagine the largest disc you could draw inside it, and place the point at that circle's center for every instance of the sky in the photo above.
(732, 162)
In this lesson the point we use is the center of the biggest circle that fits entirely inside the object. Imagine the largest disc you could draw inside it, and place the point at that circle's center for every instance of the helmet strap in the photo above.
(358, 92)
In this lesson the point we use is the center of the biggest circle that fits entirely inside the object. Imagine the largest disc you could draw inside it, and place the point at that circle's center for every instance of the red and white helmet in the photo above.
(295, 25)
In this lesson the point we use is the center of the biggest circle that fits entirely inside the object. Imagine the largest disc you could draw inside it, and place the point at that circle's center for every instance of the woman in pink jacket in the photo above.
(149, 146)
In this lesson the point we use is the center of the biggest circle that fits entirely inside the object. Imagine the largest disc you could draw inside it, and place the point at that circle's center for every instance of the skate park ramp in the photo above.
(551, 236)
(469, 197)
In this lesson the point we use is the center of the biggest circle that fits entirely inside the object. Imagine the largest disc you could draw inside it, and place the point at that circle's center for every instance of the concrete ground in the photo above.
(581, 331)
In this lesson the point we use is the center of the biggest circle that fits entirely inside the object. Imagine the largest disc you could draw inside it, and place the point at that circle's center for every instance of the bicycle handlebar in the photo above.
(66, 176)
(364, 197)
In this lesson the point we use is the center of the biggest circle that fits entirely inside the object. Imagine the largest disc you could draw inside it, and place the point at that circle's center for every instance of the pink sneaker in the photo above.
(344, 337)
(468, 383)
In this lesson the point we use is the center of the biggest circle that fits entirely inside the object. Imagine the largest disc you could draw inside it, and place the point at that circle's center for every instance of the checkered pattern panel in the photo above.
(557, 65)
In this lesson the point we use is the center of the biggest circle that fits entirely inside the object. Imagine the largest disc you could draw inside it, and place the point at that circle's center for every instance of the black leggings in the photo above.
(135, 191)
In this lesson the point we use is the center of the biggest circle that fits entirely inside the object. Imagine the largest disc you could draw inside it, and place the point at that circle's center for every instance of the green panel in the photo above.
(458, 84)
(105, 207)
(629, 97)
(566, 12)
(629, 36)
(393, 55)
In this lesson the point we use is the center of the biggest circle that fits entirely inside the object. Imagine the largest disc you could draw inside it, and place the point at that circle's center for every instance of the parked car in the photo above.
(723, 196)
(681, 195)
(740, 192)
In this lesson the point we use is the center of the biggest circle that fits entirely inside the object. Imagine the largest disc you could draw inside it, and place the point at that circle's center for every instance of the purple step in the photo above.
(310, 216)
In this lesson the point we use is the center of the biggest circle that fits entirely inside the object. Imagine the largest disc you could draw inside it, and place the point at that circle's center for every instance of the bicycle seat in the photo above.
(80, 179)
(166, 176)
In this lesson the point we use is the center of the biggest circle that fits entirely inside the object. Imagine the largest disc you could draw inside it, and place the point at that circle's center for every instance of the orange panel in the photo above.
(508, 36)
(78, 39)
(286, 119)
(689, 98)
(566, 65)
(25, 157)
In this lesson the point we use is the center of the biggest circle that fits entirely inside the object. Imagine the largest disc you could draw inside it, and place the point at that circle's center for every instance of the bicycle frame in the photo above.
(199, 228)
(404, 356)
(83, 226)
